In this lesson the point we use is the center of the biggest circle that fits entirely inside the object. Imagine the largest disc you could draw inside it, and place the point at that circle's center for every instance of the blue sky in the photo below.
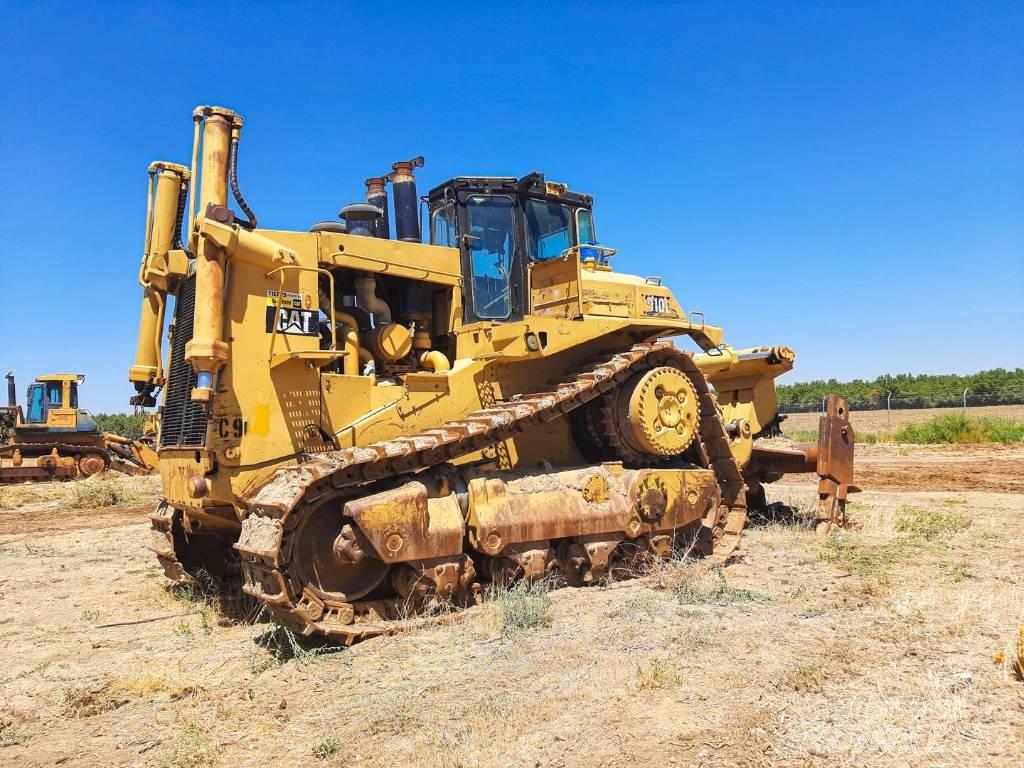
(844, 178)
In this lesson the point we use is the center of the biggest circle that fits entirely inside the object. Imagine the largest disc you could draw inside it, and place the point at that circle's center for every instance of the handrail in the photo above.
(280, 293)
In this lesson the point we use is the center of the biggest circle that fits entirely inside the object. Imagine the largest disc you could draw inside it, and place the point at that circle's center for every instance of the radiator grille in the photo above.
(184, 421)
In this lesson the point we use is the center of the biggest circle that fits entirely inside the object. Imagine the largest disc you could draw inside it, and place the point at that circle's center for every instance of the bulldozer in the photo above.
(56, 440)
(360, 426)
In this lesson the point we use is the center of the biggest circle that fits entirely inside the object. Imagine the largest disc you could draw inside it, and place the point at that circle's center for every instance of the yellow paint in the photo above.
(261, 420)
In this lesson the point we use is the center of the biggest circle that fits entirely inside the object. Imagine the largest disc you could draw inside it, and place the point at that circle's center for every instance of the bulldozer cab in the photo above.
(52, 403)
(502, 225)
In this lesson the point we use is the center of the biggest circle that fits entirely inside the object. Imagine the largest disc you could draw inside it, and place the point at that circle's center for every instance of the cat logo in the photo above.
(292, 319)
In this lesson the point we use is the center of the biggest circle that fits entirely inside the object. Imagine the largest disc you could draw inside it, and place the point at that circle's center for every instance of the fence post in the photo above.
(965, 403)
(823, 403)
(888, 408)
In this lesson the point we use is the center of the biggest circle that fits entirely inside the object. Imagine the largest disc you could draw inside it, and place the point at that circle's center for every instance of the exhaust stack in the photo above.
(12, 392)
(377, 196)
(407, 218)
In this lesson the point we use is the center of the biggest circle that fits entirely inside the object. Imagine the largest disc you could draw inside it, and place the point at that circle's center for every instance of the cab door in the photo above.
(491, 257)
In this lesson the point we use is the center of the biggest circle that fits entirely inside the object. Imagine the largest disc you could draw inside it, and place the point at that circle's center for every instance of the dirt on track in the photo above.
(875, 647)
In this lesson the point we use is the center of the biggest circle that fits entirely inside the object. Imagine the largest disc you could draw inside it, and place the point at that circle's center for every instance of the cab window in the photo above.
(53, 394)
(492, 245)
(585, 227)
(547, 226)
(35, 404)
(442, 226)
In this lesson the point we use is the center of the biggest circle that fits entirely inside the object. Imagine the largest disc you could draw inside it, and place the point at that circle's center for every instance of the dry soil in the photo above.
(885, 645)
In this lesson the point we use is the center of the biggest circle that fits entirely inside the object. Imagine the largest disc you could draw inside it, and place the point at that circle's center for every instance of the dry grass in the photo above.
(103, 491)
(875, 648)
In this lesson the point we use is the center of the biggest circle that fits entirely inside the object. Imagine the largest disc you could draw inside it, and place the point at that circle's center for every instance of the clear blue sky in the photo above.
(846, 178)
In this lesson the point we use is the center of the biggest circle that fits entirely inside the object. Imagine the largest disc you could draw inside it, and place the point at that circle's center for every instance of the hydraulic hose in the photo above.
(233, 181)
(179, 243)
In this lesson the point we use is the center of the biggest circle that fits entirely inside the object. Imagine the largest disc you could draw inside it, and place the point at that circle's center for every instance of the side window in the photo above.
(53, 394)
(547, 225)
(491, 226)
(74, 396)
(442, 226)
(35, 403)
(585, 227)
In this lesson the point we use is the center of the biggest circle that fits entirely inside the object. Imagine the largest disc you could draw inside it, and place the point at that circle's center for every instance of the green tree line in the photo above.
(124, 424)
(998, 386)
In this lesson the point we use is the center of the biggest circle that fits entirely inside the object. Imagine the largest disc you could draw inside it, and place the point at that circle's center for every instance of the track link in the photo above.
(277, 508)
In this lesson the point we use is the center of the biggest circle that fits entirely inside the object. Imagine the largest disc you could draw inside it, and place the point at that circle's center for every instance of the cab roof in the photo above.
(533, 184)
(79, 377)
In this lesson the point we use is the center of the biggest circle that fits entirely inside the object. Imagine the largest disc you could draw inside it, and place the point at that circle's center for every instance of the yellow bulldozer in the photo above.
(56, 440)
(365, 426)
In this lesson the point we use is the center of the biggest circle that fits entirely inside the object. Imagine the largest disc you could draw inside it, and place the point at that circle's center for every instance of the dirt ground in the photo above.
(878, 421)
(875, 647)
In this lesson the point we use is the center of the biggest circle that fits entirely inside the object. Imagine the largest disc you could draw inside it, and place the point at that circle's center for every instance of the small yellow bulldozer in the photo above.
(57, 440)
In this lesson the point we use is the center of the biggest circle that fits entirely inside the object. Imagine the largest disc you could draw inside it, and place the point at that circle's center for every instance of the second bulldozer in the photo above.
(365, 427)
(56, 440)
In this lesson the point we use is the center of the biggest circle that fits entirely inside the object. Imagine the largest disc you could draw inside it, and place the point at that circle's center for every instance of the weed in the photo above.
(658, 673)
(804, 435)
(190, 748)
(284, 645)
(325, 747)
(38, 551)
(930, 524)
(712, 589)
(811, 436)
(957, 428)
(865, 560)
(11, 498)
(184, 629)
(89, 616)
(638, 608)
(523, 605)
(811, 676)
(92, 699)
(204, 621)
(962, 574)
(103, 492)
(11, 734)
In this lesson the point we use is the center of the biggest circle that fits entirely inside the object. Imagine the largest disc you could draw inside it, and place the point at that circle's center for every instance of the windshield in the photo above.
(547, 225)
(491, 225)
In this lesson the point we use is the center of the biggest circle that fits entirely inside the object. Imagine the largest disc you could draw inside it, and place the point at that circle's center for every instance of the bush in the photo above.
(124, 424)
(957, 428)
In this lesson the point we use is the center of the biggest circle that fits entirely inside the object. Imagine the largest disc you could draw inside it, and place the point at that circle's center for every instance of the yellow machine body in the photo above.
(343, 362)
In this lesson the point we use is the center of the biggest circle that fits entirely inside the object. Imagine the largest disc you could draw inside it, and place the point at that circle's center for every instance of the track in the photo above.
(281, 506)
(96, 460)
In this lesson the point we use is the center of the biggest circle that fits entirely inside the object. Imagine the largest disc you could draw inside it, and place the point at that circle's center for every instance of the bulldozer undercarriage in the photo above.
(347, 544)
(40, 462)
(34, 462)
